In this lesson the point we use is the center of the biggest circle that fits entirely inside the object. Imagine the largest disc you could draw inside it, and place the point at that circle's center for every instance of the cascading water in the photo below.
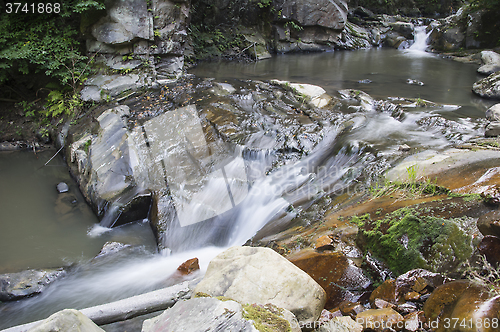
(420, 45)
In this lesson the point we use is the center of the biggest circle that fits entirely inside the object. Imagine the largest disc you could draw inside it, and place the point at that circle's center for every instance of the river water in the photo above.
(381, 73)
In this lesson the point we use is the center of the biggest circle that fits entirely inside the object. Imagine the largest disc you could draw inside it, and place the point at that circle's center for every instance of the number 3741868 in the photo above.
(33, 8)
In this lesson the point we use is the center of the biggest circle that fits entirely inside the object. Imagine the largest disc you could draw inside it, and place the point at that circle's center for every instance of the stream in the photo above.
(382, 73)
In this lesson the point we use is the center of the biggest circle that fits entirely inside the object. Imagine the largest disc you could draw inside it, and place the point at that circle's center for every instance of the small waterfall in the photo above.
(421, 36)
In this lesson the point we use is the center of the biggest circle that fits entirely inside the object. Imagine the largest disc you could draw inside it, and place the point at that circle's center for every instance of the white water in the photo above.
(420, 45)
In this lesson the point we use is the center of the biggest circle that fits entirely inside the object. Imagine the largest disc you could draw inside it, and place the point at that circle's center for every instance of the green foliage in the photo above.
(486, 4)
(264, 3)
(294, 25)
(49, 44)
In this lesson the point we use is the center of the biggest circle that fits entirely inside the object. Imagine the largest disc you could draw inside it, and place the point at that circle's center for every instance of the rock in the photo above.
(62, 187)
(125, 21)
(488, 87)
(341, 324)
(351, 309)
(260, 275)
(209, 314)
(15, 286)
(490, 248)
(381, 304)
(404, 148)
(461, 301)
(492, 129)
(489, 223)
(325, 243)
(68, 320)
(110, 248)
(386, 291)
(101, 87)
(414, 82)
(394, 40)
(490, 61)
(338, 276)
(315, 95)
(189, 266)
(413, 321)
(403, 28)
(380, 319)
(418, 281)
(324, 13)
(493, 113)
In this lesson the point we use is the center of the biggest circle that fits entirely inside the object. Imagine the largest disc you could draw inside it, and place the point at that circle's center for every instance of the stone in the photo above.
(325, 13)
(210, 314)
(110, 248)
(189, 266)
(488, 87)
(381, 304)
(68, 320)
(489, 223)
(404, 148)
(101, 87)
(412, 296)
(260, 275)
(490, 248)
(493, 113)
(490, 62)
(413, 321)
(15, 286)
(351, 309)
(386, 291)
(315, 95)
(125, 21)
(324, 243)
(380, 319)
(341, 324)
(62, 187)
(492, 129)
(404, 28)
(418, 281)
(335, 273)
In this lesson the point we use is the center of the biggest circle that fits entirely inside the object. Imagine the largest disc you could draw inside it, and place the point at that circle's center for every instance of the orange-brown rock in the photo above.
(462, 306)
(340, 279)
(381, 319)
(351, 309)
(325, 243)
(489, 223)
(386, 292)
(189, 266)
(412, 296)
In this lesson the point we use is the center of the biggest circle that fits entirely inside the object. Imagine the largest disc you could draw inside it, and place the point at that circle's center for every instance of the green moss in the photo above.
(86, 146)
(201, 294)
(266, 318)
(405, 240)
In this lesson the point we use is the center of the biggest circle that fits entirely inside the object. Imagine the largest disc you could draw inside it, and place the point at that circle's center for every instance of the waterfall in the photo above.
(420, 45)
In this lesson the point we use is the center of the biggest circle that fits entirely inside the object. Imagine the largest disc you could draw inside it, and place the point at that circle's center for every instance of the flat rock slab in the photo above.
(452, 168)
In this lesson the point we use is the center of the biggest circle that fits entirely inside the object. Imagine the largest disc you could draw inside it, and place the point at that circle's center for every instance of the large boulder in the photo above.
(210, 314)
(324, 13)
(68, 320)
(490, 63)
(15, 286)
(260, 275)
(488, 87)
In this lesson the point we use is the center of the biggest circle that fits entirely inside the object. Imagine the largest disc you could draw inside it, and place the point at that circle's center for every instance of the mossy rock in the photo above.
(406, 240)
(266, 318)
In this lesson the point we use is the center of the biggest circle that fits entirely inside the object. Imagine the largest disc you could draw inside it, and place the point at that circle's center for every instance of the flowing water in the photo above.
(371, 141)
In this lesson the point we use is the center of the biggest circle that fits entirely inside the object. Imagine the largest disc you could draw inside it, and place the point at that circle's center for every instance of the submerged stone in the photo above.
(14, 286)
(62, 187)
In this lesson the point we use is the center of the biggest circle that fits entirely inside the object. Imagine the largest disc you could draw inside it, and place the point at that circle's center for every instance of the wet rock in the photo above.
(404, 148)
(492, 129)
(236, 272)
(490, 62)
(325, 243)
(418, 281)
(394, 40)
(488, 87)
(381, 304)
(110, 248)
(461, 301)
(315, 95)
(329, 14)
(489, 223)
(189, 266)
(380, 319)
(14, 286)
(490, 248)
(413, 321)
(338, 276)
(341, 324)
(404, 28)
(125, 20)
(386, 291)
(351, 309)
(101, 87)
(62, 187)
(493, 113)
(67, 320)
(414, 82)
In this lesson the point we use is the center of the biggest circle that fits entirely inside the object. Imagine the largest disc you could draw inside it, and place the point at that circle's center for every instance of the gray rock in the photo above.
(393, 39)
(493, 113)
(403, 28)
(201, 314)
(14, 286)
(488, 87)
(112, 247)
(492, 129)
(100, 86)
(126, 20)
(62, 187)
(68, 320)
(325, 13)
(260, 275)
(490, 61)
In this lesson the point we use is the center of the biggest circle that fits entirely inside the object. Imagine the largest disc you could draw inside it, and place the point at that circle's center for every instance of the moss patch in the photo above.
(266, 318)
(406, 240)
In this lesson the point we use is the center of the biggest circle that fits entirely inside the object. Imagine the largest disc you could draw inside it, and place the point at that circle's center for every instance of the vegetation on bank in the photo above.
(43, 56)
